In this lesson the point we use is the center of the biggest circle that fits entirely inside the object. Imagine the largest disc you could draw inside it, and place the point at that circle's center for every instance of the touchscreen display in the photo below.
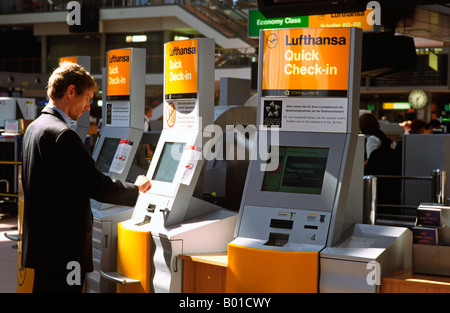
(168, 162)
(106, 155)
(300, 170)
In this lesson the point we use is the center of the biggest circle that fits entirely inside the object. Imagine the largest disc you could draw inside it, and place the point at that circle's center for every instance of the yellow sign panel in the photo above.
(181, 67)
(349, 19)
(118, 72)
(396, 106)
(306, 59)
(68, 59)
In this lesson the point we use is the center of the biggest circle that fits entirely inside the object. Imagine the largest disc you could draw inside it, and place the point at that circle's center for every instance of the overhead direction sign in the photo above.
(257, 21)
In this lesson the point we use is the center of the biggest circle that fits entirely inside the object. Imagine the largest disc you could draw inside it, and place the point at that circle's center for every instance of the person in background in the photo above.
(148, 113)
(419, 126)
(59, 178)
(436, 125)
(147, 128)
(406, 126)
(381, 159)
(375, 137)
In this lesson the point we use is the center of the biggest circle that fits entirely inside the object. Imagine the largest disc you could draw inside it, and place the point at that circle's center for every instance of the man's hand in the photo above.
(143, 183)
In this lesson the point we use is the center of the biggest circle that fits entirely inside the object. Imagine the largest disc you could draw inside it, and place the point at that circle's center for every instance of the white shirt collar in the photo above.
(64, 115)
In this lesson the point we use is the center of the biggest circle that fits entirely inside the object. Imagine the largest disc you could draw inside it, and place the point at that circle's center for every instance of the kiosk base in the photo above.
(104, 247)
(133, 259)
(259, 270)
(364, 254)
(148, 257)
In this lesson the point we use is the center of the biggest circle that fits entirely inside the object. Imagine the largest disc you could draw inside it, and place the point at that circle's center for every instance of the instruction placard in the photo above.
(118, 113)
(120, 158)
(181, 114)
(190, 159)
(305, 114)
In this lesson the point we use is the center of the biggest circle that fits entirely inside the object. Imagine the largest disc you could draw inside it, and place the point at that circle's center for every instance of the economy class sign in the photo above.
(181, 67)
(306, 59)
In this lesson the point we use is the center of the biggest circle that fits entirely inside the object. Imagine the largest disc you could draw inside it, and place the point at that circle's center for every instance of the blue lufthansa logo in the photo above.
(272, 40)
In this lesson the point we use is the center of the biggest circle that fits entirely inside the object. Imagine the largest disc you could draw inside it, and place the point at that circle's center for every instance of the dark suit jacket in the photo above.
(59, 178)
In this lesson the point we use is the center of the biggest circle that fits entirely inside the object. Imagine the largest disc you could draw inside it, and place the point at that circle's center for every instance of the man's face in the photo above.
(80, 104)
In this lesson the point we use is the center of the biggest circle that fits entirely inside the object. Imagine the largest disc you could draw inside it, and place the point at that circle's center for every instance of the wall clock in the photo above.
(418, 99)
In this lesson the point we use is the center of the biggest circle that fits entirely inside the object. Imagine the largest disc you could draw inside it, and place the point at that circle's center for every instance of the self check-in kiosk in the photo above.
(168, 220)
(123, 124)
(305, 195)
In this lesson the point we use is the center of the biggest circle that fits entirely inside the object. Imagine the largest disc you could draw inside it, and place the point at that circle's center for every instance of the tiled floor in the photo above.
(8, 255)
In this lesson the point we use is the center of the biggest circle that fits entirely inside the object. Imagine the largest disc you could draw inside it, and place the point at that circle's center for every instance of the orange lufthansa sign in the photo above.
(306, 59)
(68, 59)
(118, 72)
(181, 67)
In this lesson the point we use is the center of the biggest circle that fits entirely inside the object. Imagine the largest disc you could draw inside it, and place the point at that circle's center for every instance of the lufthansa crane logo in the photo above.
(272, 40)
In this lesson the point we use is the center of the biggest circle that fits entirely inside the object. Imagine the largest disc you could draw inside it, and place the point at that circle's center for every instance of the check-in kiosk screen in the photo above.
(300, 170)
(168, 162)
(106, 155)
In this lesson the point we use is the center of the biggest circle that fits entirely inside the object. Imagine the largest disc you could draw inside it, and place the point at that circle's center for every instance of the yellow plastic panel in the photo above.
(133, 259)
(259, 270)
(25, 276)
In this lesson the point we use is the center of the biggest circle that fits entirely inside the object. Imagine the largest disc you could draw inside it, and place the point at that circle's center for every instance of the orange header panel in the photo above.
(306, 58)
(118, 72)
(181, 67)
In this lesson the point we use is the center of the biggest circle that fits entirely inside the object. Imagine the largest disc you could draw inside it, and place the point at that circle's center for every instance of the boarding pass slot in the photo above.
(151, 208)
(146, 220)
(285, 224)
(277, 240)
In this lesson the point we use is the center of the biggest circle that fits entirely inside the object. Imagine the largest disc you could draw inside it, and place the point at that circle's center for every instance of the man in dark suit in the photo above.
(59, 178)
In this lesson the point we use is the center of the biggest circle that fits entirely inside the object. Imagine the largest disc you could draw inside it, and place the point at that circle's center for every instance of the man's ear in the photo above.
(70, 91)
